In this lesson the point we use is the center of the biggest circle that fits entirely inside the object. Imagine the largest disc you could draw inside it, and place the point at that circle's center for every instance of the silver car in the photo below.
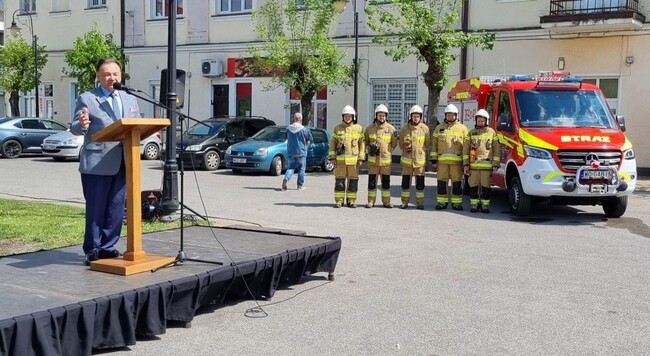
(66, 145)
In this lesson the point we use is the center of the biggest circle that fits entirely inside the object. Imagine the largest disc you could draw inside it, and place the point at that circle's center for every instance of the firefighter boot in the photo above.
(339, 192)
(353, 185)
(457, 195)
(485, 199)
(419, 192)
(473, 199)
(441, 197)
(406, 191)
(385, 191)
(372, 190)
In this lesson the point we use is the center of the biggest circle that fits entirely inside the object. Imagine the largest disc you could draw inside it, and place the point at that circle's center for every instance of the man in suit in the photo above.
(101, 164)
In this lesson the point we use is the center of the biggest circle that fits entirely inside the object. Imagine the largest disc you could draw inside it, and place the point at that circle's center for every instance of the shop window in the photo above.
(318, 108)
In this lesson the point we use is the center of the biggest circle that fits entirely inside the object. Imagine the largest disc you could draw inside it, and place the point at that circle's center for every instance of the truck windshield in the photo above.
(563, 108)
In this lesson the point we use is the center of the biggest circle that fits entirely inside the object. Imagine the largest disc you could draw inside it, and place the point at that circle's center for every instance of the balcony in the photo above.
(579, 16)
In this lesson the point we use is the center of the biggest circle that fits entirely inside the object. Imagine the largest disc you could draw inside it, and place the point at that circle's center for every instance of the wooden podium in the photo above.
(135, 260)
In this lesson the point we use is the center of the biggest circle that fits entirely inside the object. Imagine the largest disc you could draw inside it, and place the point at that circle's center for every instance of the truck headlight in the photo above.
(629, 154)
(536, 152)
(193, 148)
(261, 151)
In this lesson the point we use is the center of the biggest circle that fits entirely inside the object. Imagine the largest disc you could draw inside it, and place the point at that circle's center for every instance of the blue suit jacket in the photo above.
(101, 158)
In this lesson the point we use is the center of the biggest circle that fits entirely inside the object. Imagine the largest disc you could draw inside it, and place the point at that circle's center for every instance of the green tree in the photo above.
(297, 49)
(17, 69)
(83, 57)
(429, 30)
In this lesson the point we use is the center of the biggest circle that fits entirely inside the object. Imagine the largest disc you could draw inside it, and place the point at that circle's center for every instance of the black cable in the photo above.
(259, 309)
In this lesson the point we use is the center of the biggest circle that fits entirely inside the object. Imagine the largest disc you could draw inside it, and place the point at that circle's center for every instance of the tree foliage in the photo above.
(297, 50)
(85, 53)
(428, 29)
(17, 69)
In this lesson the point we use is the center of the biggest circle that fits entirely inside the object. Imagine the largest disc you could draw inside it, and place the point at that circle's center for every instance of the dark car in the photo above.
(20, 135)
(266, 151)
(204, 144)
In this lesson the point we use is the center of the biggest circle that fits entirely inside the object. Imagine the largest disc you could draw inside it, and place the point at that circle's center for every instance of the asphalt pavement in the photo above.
(565, 280)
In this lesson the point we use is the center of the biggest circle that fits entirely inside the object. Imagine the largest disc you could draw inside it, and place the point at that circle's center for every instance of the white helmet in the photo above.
(482, 113)
(381, 108)
(451, 109)
(348, 110)
(416, 109)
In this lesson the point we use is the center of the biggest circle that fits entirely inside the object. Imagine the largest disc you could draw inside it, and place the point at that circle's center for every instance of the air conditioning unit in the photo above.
(211, 67)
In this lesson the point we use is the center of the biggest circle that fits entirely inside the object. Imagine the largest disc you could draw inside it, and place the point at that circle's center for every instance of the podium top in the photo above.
(117, 131)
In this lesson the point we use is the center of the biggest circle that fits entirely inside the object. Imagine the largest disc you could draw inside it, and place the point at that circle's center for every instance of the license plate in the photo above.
(239, 160)
(589, 174)
(49, 147)
(597, 188)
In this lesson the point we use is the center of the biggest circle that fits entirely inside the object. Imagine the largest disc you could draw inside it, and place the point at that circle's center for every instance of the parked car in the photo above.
(20, 135)
(66, 145)
(266, 151)
(204, 143)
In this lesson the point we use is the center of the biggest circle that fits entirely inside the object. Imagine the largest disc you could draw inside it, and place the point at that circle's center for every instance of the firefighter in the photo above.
(347, 153)
(481, 156)
(380, 140)
(447, 158)
(414, 142)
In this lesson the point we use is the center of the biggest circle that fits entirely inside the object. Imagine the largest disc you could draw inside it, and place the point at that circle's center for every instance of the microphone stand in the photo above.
(181, 257)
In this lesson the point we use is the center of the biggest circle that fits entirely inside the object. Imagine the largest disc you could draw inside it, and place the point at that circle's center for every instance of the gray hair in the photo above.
(297, 117)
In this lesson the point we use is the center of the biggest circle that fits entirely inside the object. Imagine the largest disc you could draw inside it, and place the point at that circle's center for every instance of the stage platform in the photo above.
(52, 304)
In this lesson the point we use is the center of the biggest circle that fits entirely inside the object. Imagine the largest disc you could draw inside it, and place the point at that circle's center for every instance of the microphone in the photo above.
(119, 86)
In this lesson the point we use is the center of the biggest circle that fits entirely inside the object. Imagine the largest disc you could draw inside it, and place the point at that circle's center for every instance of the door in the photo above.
(317, 150)
(220, 100)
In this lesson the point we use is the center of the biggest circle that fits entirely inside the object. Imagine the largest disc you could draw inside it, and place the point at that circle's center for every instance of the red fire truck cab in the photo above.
(560, 142)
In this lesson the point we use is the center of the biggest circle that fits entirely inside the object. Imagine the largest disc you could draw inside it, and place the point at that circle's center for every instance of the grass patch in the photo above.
(52, 225)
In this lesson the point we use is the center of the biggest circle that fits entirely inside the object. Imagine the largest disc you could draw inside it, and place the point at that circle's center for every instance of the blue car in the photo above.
(266, 151)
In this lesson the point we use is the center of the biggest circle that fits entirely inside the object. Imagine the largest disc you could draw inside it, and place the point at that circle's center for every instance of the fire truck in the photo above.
(560, 141)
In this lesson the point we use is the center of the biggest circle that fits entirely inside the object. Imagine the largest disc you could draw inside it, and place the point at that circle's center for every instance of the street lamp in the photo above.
(14, 30)
(339, 6)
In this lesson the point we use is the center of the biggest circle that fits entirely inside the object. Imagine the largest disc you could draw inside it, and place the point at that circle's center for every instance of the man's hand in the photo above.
(359, 163)
(466, 170)
(495, 168)
(333, 161)
(434, 165)
(84, 118)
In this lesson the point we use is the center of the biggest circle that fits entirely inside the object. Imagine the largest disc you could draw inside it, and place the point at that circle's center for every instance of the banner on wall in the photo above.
(244, 67)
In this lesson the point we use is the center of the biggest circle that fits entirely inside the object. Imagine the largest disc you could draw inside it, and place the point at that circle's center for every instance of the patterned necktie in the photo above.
(116, 107)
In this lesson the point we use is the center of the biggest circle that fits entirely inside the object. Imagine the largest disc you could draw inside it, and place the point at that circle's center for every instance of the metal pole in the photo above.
(35, 70)
(169, 200)
(356, 56)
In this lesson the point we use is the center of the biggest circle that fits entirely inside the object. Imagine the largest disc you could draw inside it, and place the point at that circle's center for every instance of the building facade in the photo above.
(604, 41)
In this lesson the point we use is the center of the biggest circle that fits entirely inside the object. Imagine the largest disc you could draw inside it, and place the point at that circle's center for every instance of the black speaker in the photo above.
(180, 87)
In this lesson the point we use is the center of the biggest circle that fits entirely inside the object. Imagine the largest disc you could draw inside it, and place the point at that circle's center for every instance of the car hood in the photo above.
(254, 145)
(576, 138)
(66, 135)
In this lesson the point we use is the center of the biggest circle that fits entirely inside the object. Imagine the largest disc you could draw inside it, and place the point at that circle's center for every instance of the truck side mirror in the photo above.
(621, 122)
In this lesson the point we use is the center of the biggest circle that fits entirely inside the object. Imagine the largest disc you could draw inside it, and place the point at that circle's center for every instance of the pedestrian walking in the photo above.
(298, 138)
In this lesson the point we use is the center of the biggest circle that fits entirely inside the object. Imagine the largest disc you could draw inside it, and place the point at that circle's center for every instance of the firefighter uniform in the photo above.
(481, 154)
(347, 148)
(414, 142)
(380, 140)
(447, 152)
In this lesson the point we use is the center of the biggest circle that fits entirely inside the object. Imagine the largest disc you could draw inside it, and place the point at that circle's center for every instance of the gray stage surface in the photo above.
(43, 280)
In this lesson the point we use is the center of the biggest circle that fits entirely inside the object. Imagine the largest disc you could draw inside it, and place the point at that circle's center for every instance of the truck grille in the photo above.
(571, 160)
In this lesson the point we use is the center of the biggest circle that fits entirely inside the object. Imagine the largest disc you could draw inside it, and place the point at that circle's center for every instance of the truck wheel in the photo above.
(615, 207)
(519, 201)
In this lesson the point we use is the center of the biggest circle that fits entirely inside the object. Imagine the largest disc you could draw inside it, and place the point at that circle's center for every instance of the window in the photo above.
(505, 113)
(96, 3)
(234, 6)
(319, 136)
(236, 128)
(60, 5)
(160, 8)
(318, 108)
(28, 5)
(30, 124)
(609, 86)
(399, 95)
